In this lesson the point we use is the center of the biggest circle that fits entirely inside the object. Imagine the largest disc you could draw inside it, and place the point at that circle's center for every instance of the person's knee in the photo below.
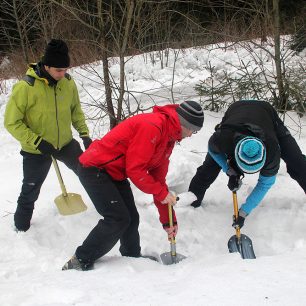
(121, 222)
(134, 218)
(125, 221)
(69, 155)
(27, 198)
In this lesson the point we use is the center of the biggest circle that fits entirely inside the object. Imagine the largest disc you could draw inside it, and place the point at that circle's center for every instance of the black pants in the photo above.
(295, 161)
(290, 153)
(115, 202)
(204, 177)
(35, 170)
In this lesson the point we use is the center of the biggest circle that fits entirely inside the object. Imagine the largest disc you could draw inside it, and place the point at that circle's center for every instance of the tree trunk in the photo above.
(108, 88)
(281, 103)
(21, 33)
(130, 9)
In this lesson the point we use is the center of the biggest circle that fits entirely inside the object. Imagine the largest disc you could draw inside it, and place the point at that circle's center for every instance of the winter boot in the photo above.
(77, 264)
(23, 216)
(196, 203)
(23, 221)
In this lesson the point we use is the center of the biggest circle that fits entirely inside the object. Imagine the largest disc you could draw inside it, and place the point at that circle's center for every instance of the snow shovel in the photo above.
(67, 203)
(169, 258)
(239, 242)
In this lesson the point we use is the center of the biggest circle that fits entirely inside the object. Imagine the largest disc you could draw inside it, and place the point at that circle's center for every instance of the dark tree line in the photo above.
(26, 25)
(100, 29)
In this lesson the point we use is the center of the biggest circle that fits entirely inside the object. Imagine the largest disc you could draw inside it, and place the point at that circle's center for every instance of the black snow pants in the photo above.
(295, 161)
(114, 201)
(204, 177)
(35, 170)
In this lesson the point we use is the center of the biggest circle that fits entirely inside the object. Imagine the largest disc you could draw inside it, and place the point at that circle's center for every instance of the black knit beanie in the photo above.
(56, 54)
(191, 115)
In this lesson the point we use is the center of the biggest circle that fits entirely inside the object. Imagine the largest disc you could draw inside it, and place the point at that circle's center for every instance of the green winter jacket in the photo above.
(37, 111)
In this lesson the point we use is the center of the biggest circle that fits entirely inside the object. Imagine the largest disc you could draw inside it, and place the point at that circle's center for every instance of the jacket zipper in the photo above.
(56, 117)
(112, 160)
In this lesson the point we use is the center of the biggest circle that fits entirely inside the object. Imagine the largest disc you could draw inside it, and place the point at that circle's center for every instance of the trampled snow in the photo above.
(30, 263)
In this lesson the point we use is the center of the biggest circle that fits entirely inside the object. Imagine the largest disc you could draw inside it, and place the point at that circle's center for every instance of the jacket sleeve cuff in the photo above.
(83, 134)
(242, 213)
(37, 141)
(162, 195)
(163, 213)
(165, 225)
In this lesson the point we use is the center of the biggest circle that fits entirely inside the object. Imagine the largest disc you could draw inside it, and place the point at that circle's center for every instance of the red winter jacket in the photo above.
(139, 149)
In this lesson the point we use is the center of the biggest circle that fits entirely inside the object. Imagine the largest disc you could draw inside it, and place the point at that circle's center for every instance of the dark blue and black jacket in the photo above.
(249, 118)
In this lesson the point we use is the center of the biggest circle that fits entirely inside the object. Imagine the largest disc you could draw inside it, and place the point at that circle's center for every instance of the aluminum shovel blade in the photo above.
(244, 246)
(168, 259)
(70, 204)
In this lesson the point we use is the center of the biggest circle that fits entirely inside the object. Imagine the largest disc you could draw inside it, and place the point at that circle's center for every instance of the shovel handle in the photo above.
(170, 215)
(172, 242)
(235, 202)
(59, 176)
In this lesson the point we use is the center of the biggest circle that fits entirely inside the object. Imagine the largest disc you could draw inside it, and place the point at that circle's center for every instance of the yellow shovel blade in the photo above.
(70, 204)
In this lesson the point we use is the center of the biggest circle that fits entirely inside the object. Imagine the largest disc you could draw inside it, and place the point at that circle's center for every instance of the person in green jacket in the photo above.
(39, 114)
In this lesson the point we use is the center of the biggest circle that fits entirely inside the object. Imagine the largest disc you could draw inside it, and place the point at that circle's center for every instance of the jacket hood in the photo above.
(175, 129)
(36, 71)
(32, 71)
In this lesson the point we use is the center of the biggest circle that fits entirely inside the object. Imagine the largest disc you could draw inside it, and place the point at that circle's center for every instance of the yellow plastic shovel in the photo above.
(67, 203)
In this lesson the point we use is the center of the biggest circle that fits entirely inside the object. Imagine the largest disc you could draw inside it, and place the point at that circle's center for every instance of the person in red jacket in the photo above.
(138, 148)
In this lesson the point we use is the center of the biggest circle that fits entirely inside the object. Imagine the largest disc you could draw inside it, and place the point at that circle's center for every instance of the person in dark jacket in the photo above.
(39, 114)
(138, 148)
(250, 138)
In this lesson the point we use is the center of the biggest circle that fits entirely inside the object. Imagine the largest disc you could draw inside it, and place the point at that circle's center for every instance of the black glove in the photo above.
(234, 183)
(86, 141)
(239, 222)
(235, 177)
(46, 148)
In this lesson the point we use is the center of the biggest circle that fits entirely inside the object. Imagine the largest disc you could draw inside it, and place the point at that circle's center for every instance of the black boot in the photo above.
(196, 203)
(22, 218)
(77, 264)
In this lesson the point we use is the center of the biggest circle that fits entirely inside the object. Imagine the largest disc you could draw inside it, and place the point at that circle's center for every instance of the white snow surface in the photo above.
(30, 263)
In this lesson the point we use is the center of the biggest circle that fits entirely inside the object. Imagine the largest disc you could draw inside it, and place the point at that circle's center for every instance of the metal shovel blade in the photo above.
(168, 259)
(70, 204)
(244, 246)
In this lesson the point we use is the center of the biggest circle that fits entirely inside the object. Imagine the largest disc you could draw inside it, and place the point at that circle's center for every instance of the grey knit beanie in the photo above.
(191, 115)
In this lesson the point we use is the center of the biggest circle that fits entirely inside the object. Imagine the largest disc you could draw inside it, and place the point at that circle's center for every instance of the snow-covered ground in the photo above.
(30, 263)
